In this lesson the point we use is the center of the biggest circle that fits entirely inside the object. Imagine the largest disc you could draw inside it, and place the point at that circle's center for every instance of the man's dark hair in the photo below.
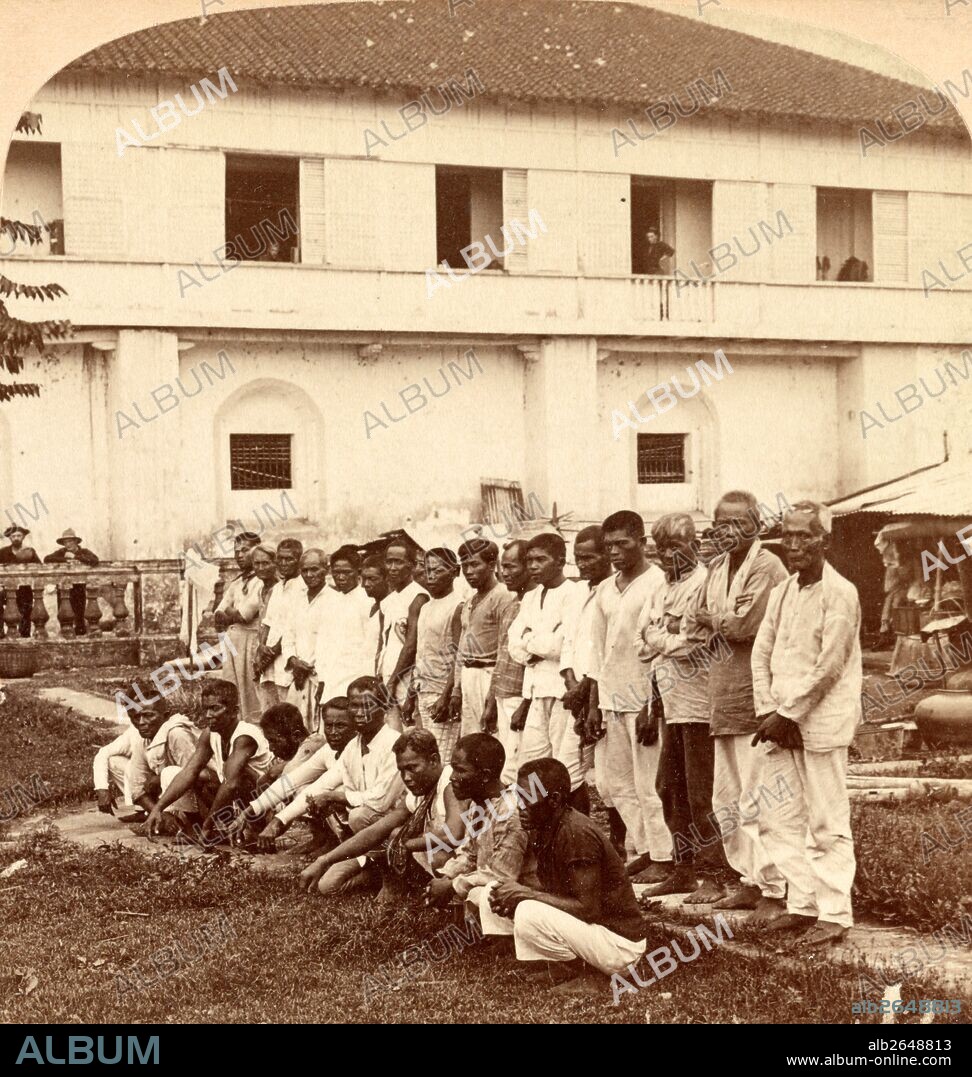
(335, 703)
(419, 741)
(593, 534)
(519, 548)
(370, 685)
(627, 521)
(739, 497)
(410, 548)
(349, 554)
(554, 776)
(550, 543)
(225, 690)
(485, 753)
(285, 718)
(446, 556)
(374, 560)
(150, 690)
(479, 547)
(292, 544)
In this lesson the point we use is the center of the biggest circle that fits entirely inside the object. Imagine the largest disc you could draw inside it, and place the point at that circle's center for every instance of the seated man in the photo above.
(496, 849)
(227, 764)
(291, 744)
(299, 773)
(112, 763)
(395, 849)
(165, 740)
(584, 911)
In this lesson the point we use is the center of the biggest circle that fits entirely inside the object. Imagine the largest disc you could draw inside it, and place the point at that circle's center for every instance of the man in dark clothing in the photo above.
(585, 912)
(73, 553)
(655, 250)
(19, 554)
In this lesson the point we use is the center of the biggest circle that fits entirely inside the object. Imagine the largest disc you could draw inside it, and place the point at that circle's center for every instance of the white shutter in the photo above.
(196, 191)
(94, 199)
(515, 206)
(890, 212)
(738, 207)
(312, 213)
(352, 214)
(604, 242)
(408, 216)
(792, 257)
(553, 195)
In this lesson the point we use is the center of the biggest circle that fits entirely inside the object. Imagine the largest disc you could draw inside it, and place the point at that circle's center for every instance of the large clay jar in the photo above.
(946, 716)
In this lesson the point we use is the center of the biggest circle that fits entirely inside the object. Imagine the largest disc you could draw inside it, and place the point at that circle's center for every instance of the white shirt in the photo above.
(124, 744)
(293, 781)
(578, 651)
(345, 643)
(300, 638)
(368, 777)
(260, 760)
(280, 615)
(537, 632)
(807, 659)
(394, 609)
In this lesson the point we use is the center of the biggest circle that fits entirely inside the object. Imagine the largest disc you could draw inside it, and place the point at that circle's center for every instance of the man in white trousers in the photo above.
(807, 685)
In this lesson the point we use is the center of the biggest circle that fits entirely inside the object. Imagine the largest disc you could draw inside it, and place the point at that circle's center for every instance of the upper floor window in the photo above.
(671, 224)
(661, 458)
(468, 209)
(32, 195)
(260, 461)
(845, 234)
(262, 208)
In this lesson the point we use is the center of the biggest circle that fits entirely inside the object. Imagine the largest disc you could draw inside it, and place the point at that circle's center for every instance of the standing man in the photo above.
(73, 553)
(19, 554)
(506, 710)
(479, 638)
(656, 250)
(807, 680)
(536, 638)
(314, 604)
(375, 586)
(430, 693)
(736, 593)
(278, 620)
(344, 638)
(400, 610)
(625, 766)
(675, 644)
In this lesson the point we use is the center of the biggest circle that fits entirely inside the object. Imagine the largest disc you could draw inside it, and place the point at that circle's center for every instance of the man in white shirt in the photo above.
(365, 781)
(807, 679)
(278, 621)
(315, 604)
(399, 612)
(625, 768)
(536, 638)
(111, 767)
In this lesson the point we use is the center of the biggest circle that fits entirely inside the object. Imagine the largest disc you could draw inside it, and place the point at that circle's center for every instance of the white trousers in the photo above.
(808, 835)
(543, 933)
(738, 802)
(305, 700)
(475, 686)
(510, 740)
(118, 767)
(549, 731)
(625, 772)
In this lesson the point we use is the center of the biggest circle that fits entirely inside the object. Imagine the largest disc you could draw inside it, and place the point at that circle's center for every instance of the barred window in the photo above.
(661, 458)
(260, 461)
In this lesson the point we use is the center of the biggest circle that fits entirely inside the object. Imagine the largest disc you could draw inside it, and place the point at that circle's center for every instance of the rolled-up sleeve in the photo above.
(121, 745)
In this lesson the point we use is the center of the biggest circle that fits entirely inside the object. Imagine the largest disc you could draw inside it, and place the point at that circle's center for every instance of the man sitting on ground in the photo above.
(498, 847)
(339, 731)
(394, 850)
(584, 911)
(230, 758)
(112, 763)
(165, 740)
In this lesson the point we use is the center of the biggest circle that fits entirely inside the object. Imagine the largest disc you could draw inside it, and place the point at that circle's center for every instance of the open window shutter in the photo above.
(195, 223)
(890, 213)
(515, 205)
(792, 256)
(410, 235)
(553, 195)
(94, 199)
(312, 216)
(604, 243)
(737, 207)
(353, 213)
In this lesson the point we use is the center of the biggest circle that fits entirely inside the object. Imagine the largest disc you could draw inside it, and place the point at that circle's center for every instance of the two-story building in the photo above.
(248, 210)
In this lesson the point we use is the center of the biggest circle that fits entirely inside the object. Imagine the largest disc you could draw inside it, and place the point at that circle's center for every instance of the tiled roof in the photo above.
(596, 53)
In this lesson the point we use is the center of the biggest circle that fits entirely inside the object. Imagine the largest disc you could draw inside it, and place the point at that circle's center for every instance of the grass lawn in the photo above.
(78, 920)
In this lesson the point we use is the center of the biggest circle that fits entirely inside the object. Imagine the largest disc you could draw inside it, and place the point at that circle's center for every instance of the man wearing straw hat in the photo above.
(72, 551)
(19, 554)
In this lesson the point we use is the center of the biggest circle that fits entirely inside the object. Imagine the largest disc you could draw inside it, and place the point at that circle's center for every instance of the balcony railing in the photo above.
(110, 595)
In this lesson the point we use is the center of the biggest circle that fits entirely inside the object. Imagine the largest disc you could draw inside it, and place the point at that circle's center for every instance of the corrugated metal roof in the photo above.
(568, 51)
(945, 490)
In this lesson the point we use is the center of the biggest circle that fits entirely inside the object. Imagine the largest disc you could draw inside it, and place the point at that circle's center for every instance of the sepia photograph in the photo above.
(537, 590)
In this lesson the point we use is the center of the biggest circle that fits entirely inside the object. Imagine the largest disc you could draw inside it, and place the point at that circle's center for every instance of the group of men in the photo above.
(455, 763)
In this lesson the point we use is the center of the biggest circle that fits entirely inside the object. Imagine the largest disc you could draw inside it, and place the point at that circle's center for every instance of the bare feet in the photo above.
(656, 872)
(639, 864)
(823, 933)
(789, 921)
(707, 892)
(740, 897)
(767, 909)
(680, 881)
